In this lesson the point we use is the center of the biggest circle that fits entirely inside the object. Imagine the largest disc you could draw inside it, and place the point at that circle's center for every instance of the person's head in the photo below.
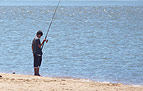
(39, 34)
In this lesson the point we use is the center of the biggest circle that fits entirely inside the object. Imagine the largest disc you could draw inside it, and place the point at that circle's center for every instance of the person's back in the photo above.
(36, 49)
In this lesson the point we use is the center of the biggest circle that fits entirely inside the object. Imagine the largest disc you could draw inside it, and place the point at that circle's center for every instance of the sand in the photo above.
(14, 82)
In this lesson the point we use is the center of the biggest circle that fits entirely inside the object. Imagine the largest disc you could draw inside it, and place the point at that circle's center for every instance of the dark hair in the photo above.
(39, 32)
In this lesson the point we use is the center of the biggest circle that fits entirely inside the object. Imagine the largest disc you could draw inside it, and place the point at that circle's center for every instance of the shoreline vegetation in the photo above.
(12, 82)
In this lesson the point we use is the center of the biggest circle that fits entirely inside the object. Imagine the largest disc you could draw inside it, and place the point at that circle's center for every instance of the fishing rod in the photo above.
(52, 21)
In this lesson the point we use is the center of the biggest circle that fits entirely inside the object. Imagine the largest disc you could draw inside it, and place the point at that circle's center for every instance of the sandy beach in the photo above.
(14, 82)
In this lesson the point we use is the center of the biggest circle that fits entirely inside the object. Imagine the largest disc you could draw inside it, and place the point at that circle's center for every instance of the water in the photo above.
(101, 43)
(72, 3)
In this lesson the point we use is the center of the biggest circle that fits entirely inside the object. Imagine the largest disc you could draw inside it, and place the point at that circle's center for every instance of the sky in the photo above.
(69, 0)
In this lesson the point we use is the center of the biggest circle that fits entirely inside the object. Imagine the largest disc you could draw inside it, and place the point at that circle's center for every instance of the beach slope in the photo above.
(13, 82)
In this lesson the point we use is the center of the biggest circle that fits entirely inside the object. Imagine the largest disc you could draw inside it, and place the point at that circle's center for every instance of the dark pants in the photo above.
(37, 60)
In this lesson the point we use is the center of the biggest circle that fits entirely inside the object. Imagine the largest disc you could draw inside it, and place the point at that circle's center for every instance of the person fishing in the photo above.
(37, 46)
(37, 52)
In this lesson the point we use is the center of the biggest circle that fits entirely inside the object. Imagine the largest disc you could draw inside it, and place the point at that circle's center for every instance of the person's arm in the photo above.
(32, 48)
(42, 43)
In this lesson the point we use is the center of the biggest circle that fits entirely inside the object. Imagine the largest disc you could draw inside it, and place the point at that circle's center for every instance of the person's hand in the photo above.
(46, 41)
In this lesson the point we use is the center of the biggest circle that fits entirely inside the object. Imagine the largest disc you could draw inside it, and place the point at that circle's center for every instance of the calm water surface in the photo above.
(101, 43)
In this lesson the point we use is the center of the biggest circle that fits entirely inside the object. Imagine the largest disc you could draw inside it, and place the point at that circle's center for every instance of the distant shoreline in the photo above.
(27, 82)
(72, 3)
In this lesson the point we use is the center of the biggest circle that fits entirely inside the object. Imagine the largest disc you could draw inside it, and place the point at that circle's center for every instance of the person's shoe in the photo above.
(37, 74)
(36, 71)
